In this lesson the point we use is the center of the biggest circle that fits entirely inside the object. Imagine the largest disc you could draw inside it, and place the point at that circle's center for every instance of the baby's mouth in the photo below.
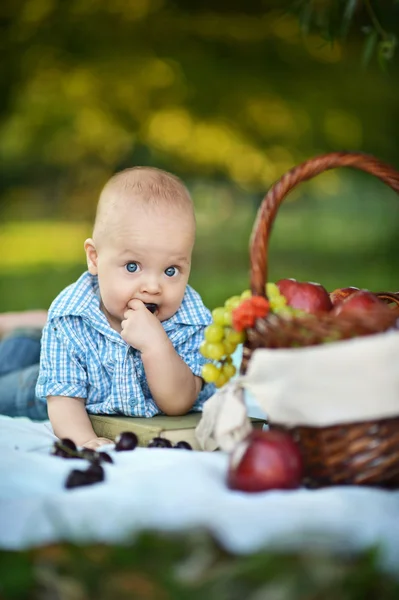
(151, 307)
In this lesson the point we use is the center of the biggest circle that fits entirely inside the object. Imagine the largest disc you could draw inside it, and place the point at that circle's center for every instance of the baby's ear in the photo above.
(91, 256)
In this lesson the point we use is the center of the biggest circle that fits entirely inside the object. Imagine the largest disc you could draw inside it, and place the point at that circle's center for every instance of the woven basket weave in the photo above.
(365, 453)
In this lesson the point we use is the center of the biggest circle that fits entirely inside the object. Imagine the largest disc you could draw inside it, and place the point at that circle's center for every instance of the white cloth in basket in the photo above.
(342, 382)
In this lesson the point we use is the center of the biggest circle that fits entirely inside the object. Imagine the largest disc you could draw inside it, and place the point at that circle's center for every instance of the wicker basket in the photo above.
(363, 453)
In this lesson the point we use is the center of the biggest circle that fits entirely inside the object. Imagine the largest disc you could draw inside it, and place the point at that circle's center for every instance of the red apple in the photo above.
(265, 460)
(340, 294)
(310, 297)
(362, 300)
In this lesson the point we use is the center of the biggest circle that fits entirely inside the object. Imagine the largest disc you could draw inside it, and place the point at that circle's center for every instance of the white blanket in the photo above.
(173, 490)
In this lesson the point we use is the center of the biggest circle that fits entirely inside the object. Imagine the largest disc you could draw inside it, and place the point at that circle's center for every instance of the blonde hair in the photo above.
(140, 187)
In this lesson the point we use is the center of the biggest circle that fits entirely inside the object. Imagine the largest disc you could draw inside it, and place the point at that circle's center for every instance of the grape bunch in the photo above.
(222, 337)
(221, 340)
(278, 302)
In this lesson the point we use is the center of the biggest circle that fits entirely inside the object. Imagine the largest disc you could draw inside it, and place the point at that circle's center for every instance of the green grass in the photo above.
(189, 566)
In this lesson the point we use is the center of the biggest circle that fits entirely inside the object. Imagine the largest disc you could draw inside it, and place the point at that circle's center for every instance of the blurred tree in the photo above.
(207, 89)
(334, 19)
(228, 96)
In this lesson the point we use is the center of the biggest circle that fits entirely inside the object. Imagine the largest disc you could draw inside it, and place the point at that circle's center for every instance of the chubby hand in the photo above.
(97, 442)
(140, 328)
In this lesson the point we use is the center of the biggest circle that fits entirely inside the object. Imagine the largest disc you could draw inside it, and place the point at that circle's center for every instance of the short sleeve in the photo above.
(62, 368)
(187, 343)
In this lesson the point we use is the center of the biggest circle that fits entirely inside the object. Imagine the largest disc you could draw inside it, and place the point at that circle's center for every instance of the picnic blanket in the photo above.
(176, 490)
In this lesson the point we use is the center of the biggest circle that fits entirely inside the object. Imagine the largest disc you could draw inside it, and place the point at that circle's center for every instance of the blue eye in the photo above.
(171, 271)
(132, 267)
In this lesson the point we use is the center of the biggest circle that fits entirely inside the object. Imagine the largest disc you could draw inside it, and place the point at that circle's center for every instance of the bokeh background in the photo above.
(228, 96)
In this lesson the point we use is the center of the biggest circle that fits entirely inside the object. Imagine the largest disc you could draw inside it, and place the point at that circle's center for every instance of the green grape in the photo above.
(216, 350)
(246, 294)
(214, 333)
(228, 370)
(204, 349)
(285, 311)
(221, 380)
(233, 302)
(272, 291)
(234, 337)
(218, 315)
(228, 360)
(229, 347)
(228, 317)
(210, 373)
(277, 303)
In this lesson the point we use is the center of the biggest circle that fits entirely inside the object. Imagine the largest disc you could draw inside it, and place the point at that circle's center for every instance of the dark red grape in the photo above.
(127, 440)
(158, 442)
(183, 445)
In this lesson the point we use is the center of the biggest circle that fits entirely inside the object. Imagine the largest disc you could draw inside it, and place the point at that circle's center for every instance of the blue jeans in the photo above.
(19, 369)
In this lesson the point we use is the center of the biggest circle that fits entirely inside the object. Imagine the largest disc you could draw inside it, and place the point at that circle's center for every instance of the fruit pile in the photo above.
(228, 330)
(265, 460)
(287, 298)
(94, 473)
(66, 448)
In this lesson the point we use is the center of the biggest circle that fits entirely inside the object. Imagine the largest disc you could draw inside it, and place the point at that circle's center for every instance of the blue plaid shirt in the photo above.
(83, 357)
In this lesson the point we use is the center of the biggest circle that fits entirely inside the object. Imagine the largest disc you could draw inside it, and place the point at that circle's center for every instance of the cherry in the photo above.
(63, 450)
(93, 474)
(76, 478)
(88, 454)
(127, 440)
(105, 457)
(158, 442)
(183, 445)
(68, 443)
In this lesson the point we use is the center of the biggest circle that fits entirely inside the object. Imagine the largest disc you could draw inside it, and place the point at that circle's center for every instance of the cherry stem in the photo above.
(91, 457)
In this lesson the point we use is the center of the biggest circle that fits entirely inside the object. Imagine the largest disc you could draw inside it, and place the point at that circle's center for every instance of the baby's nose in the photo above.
(151, 285)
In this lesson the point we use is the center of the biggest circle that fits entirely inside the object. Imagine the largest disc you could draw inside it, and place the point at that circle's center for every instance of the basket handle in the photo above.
(268, 209)
(389, 297)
